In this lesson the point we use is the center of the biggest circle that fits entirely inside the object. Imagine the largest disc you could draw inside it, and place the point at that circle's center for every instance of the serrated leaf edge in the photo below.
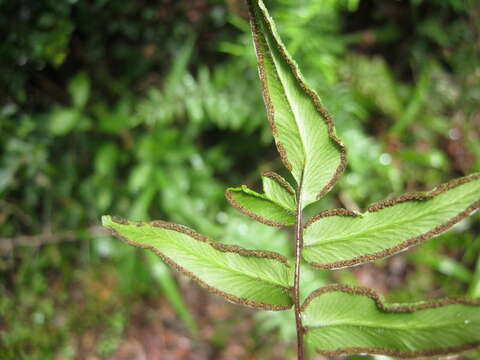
(391, 202)
(393, 308)
(251, 214)
(214, 244)
(257, 38)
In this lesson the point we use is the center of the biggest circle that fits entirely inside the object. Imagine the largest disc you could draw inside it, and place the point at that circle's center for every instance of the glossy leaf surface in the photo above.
(303, 130)
(254, 278)
(343, 320)
(339, 238)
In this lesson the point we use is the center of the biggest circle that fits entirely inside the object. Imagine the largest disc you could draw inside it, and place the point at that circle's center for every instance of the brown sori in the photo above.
(261, 219)
(391, 309)
(261, 43)
(391, 202)
(217, 246)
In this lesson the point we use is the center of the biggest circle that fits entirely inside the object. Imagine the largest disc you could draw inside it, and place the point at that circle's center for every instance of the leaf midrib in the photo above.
(406, 327)
(320, 243)
(271, 282)
(288, 100)
(285, 207)
(265, 197)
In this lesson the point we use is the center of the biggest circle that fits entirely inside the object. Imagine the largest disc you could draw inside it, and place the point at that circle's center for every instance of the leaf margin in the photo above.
(216, 245)
(325, 116)
(251, 214)
(274, 178)
(280, 180)
(391, 308)
(405, 244)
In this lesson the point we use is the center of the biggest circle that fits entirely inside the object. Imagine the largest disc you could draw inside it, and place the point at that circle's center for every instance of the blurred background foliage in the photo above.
(150, 110)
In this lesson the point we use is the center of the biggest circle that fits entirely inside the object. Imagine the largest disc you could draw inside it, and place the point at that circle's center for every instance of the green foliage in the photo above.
(279, 190)
(344, 320)
(260, 207)
(259, 279)
(339, 238)
(151, 111)
(334, 318)
(303, 131)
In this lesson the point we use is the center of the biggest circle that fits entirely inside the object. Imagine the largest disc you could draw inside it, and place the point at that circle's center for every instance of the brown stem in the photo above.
(296, 284)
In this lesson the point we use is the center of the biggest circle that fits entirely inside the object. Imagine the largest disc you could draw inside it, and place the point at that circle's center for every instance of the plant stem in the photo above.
(296, 284)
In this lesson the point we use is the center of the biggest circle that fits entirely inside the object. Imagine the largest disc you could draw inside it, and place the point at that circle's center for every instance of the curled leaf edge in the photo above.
(251, 214)
(404, 245)
(327, 119)
(382, 306)
(214, 244)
